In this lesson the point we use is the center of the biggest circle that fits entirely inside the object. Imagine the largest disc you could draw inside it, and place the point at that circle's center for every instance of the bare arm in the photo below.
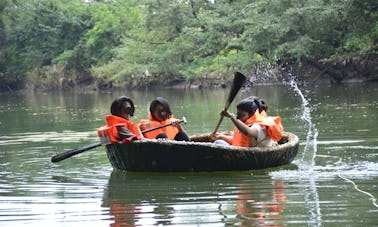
(220, 136)
(243, 128)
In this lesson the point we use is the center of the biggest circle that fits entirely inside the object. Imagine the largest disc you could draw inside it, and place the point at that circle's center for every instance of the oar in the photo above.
(238, 82)
(70, 153)
(162, 126)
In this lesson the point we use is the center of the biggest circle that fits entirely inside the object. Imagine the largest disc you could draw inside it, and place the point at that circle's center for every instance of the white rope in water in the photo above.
(372, 197)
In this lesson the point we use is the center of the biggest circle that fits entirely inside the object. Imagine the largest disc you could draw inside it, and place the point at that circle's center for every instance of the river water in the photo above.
(333, 180)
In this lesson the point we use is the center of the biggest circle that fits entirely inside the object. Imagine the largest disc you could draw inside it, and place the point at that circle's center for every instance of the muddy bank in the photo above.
(347, 71)
(308, 72)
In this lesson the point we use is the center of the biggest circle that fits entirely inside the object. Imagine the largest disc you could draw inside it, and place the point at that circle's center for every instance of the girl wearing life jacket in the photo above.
(161, 114)
(118, 125)
(251, 129)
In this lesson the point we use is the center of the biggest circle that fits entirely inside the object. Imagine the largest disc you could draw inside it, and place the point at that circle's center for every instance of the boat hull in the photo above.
(198, 155)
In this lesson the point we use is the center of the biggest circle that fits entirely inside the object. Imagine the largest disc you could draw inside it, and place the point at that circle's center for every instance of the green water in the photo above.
(332, 181)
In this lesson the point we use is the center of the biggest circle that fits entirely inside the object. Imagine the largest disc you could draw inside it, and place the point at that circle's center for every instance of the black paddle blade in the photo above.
(239, 80)
(70, 153)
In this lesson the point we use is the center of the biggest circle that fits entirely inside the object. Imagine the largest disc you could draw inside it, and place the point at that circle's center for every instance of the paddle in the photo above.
(238, 82)
(162, 126)
(70, 153)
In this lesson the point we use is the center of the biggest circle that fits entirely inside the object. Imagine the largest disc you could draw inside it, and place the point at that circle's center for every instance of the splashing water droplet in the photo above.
(309, 153)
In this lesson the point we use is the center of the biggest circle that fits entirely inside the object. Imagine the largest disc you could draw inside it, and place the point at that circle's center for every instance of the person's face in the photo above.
(160, 113)
(127, 110)
(242, 115)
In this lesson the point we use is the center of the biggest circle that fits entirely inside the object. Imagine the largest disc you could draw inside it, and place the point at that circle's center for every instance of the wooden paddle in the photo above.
(70, 153)
(238, 82)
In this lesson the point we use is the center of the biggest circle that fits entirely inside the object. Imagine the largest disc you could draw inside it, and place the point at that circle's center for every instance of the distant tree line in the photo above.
(81, 41)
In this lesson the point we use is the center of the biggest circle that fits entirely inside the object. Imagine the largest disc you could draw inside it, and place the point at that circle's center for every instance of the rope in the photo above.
(372, 197)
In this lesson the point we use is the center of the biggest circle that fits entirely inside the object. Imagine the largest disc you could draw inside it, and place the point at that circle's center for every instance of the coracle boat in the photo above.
(198, 155)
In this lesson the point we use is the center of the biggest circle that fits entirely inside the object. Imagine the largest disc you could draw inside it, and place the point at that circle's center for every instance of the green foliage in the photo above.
(118, 39)
(39, 30)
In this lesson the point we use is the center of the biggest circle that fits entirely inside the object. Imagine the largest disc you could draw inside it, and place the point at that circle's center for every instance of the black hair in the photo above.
(262, 105)
(248, 105)
(162, 101)
(117, 107)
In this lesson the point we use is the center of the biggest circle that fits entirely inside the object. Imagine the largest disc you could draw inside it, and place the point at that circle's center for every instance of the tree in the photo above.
(39, 30)
(118, 39)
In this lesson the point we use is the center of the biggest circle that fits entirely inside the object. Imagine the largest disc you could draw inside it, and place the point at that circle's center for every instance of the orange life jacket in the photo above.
(241, 140)
(109, 133)
(272, 125)
(152, 123)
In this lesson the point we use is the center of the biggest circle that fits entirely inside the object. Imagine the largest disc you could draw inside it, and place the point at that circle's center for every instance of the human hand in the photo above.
(176, 123)
(214, 136)
(226, 113)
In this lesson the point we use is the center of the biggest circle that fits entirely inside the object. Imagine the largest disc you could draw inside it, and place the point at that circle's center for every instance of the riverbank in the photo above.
(308, 72)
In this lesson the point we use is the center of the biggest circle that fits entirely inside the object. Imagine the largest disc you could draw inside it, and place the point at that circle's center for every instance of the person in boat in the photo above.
(252, 129)
(161, 114)
(118, 125)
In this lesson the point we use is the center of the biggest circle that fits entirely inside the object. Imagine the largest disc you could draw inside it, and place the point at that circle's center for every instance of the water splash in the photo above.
(264, 73)
(307, 161)
(308, 173)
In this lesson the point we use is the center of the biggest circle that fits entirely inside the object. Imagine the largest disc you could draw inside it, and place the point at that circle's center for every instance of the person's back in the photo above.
(262, 137)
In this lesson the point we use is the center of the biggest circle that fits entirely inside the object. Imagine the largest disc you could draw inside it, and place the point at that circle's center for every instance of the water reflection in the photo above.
(253, 210)
(183, 198)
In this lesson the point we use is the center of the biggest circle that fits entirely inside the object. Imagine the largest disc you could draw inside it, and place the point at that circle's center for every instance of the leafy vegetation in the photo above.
(116, 40)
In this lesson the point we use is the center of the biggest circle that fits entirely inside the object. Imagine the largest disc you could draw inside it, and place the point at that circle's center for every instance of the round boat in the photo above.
(198, 155)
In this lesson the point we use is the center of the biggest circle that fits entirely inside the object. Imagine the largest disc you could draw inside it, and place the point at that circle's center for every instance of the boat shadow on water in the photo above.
(242, 197)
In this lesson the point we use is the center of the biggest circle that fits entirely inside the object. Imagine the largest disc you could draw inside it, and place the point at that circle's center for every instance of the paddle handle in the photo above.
(65, 155)
(219, 123)
(163, 126)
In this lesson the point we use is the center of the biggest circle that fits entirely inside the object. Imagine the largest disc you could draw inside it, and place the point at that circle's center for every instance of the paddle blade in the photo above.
(70, 153)
(239, 80)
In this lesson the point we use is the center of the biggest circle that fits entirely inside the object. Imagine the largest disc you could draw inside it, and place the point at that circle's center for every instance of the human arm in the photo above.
(124, 132)
(220, 136)
(242, 127)
(132, 130)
